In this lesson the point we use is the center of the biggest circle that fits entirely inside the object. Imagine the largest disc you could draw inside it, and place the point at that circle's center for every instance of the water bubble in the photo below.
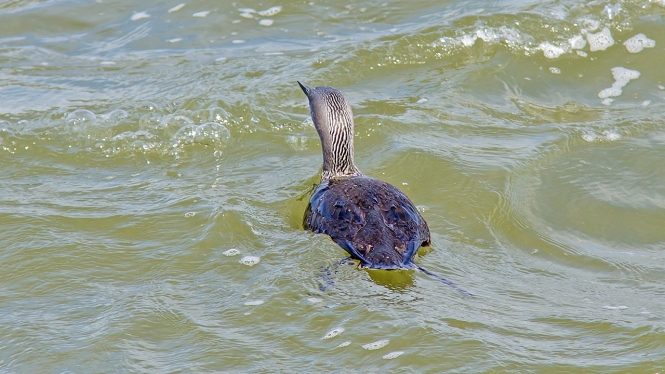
(148, 106)
(209, 133)
(554, 70)
(376, 345)
(116, 115)
(392, 355)
(250, 260)
(333, 333)
(80, 116)
(170, 124)
(344, 344)
(231, 252)
(190, 214)
(213, 114)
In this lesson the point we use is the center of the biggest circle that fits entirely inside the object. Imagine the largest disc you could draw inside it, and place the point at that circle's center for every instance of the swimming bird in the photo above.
(372, 220)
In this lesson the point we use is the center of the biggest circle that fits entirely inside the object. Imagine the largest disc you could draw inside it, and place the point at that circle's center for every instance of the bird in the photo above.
(372, 220)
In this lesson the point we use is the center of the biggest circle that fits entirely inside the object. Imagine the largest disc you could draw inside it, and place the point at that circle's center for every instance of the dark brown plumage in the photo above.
(372, 220)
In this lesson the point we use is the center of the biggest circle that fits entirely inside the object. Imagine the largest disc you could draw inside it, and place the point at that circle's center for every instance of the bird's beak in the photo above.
(305, 88)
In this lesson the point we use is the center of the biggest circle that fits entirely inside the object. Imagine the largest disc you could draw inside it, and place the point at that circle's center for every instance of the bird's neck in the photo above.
(338, 153)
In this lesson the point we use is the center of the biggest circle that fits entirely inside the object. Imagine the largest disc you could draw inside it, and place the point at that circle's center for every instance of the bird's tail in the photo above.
(444, 281)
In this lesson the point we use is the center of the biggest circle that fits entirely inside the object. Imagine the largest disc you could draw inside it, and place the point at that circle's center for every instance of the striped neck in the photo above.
(333, 119)
(338, 151)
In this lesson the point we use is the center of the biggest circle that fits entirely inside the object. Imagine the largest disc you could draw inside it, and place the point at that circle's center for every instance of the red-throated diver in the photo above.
(372, 220)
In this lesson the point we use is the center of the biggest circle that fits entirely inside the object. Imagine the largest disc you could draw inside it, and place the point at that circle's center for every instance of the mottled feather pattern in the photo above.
(372, 220)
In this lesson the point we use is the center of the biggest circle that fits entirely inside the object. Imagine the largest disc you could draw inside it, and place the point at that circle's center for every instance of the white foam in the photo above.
(201, 14)
(601, 40)
(611, 135)
(190, 214)
(250, 260)
(174, 40)
(247, 15)
(246, 10)
(554, 70)
(588, 137)
(392, 355)
(140, 15)
(266, 22)
(237, 41)
(231, 252)
(577, 42)
(344, 344)
(611, 307)
(333, 333)
(254, 302)
(609, 92)
(638, 42)
(376, 345)
(621, 76)
(421, 100)
(270, 11)
(314, 300)
(552, 51)
(660, 86)
(177, 8)
(646, 102)
(581, 53)
(591, 24)
(468, 40)
(607, 101)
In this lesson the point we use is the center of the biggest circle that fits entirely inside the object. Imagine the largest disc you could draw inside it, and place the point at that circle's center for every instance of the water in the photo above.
(156, 161)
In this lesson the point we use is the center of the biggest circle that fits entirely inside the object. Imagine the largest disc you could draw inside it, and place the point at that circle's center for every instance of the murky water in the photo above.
(155, 158)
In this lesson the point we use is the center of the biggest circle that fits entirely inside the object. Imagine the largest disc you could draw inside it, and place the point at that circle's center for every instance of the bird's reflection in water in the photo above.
(395, 280)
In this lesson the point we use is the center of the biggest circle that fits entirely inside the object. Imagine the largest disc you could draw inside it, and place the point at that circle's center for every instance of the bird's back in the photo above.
(372, 220)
